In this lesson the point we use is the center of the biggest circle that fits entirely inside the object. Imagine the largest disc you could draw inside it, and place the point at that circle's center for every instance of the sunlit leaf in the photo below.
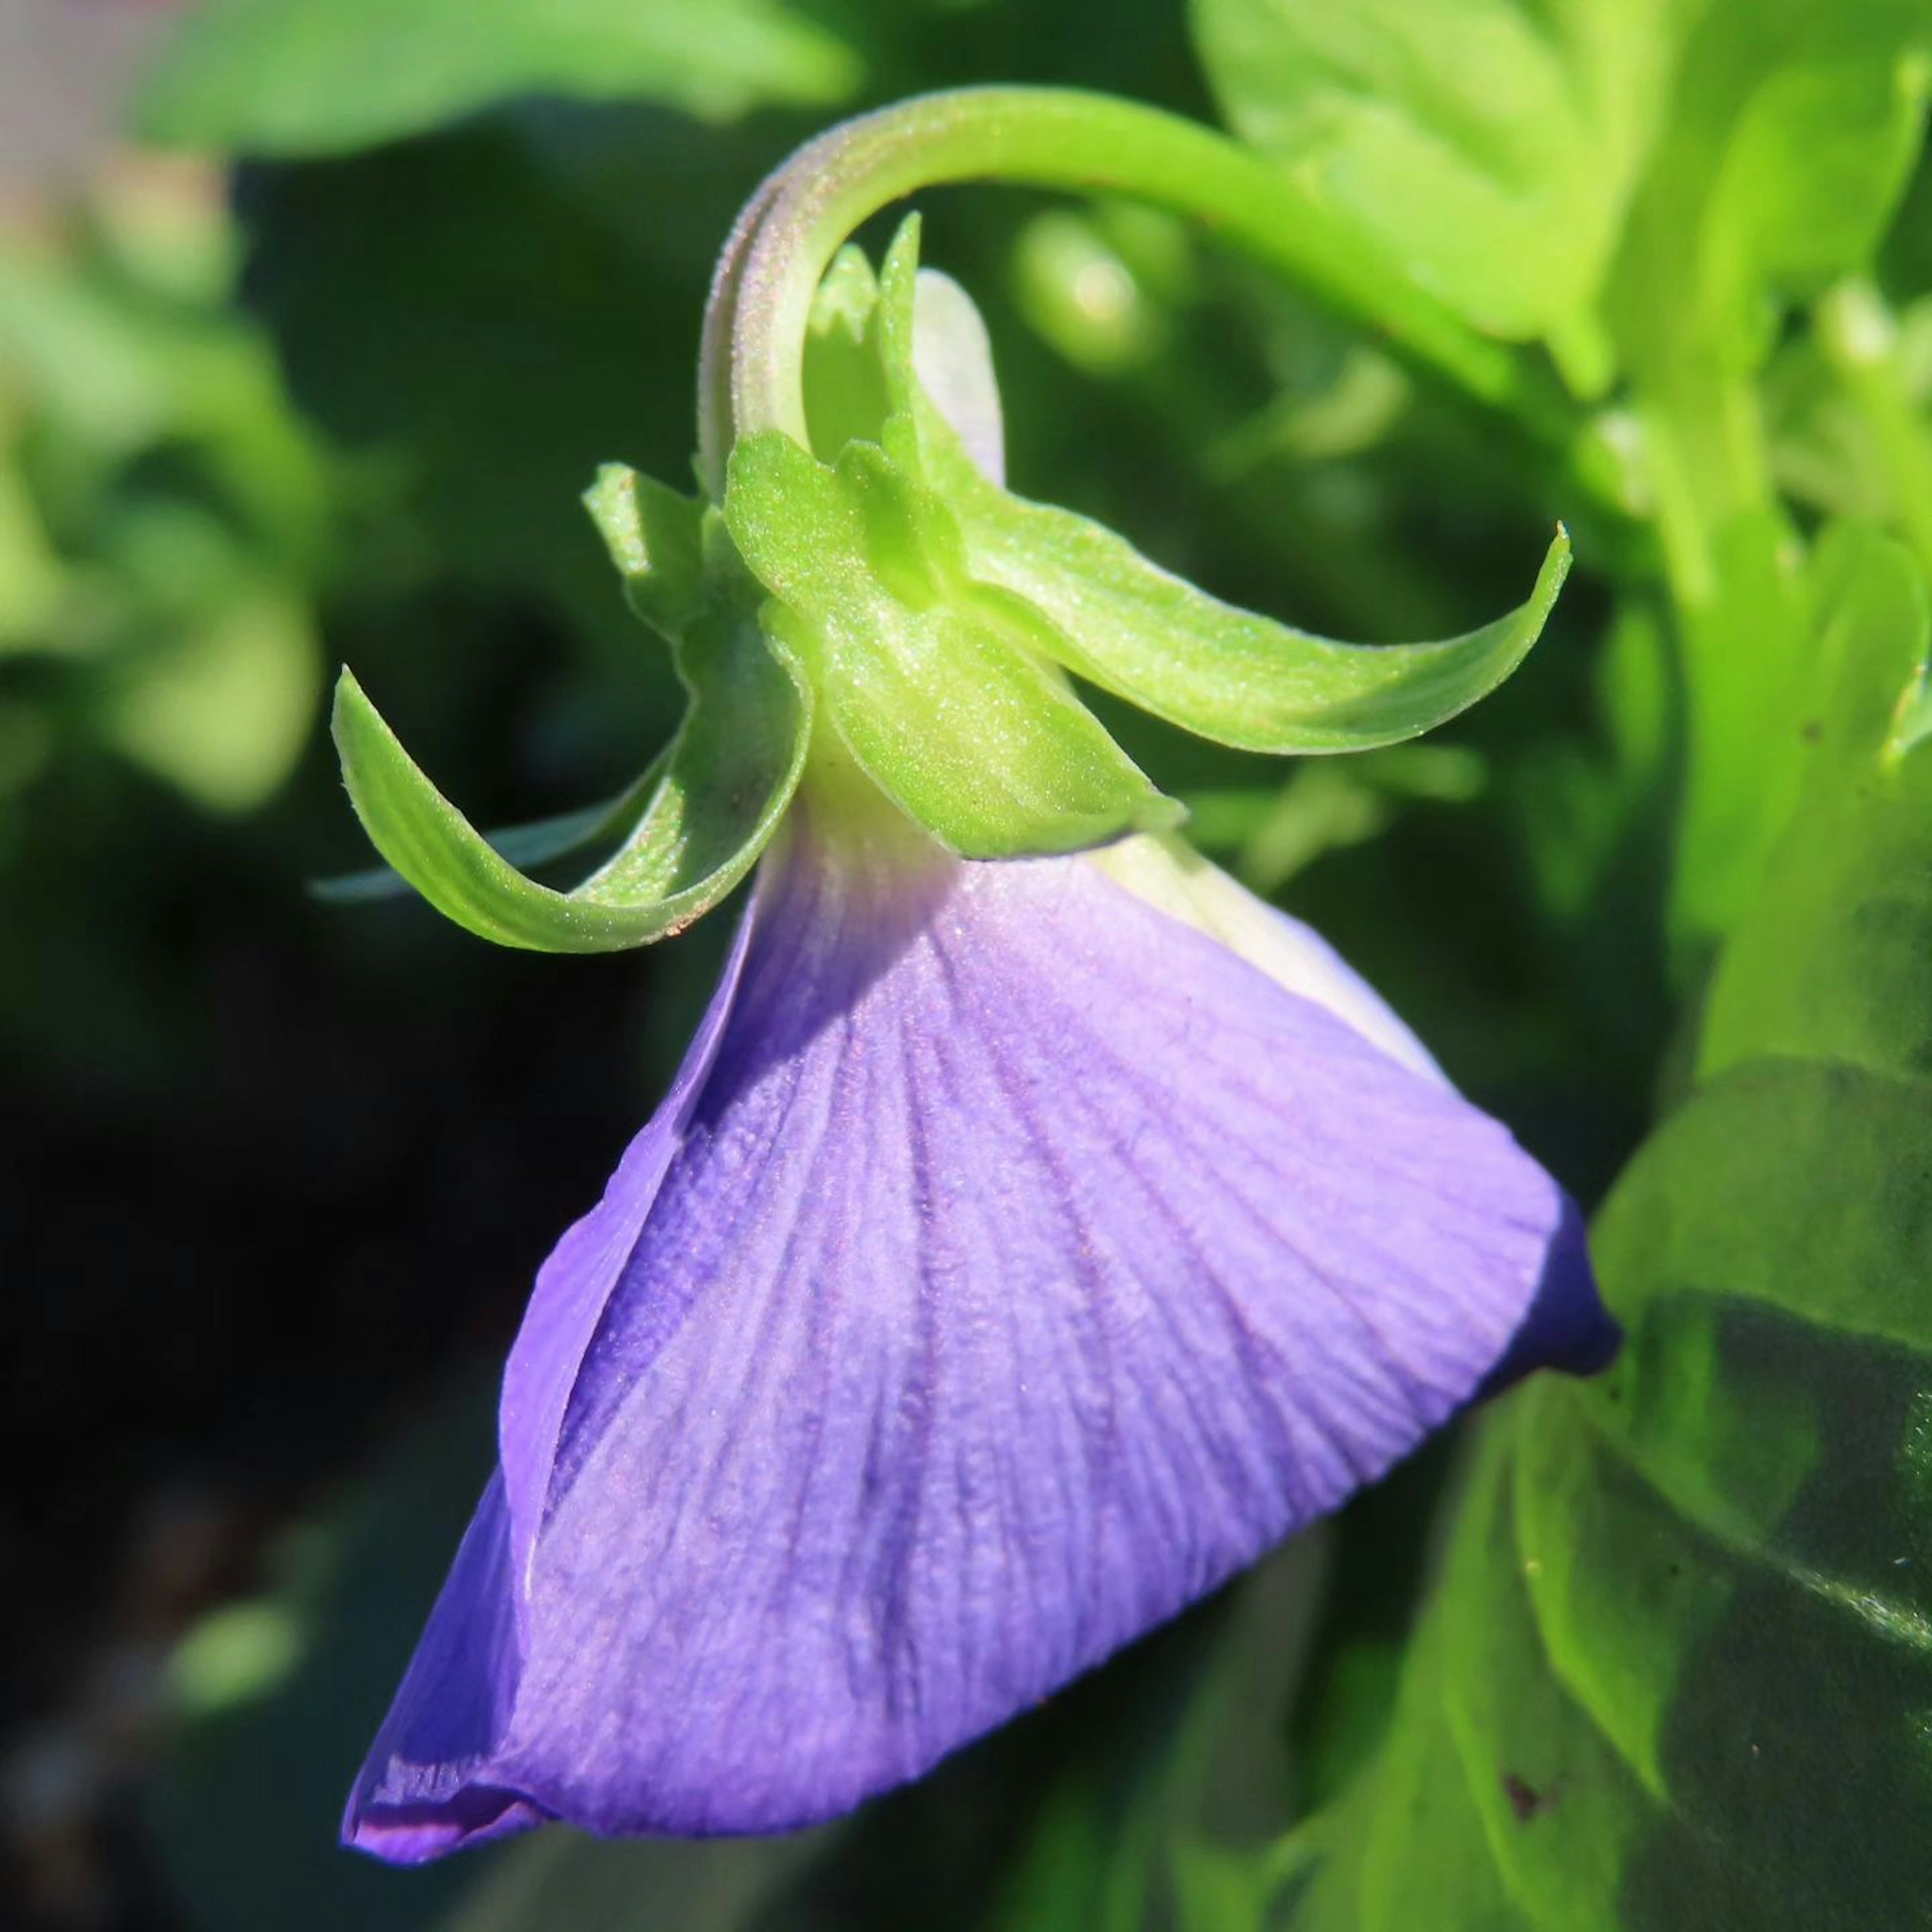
(223, 711)
(1790, 135)
(321, 77)
(1490, 145)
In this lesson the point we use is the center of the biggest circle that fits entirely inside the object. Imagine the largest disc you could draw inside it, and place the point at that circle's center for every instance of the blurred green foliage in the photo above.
(163, 512)
(290, 77)
(1665, 890)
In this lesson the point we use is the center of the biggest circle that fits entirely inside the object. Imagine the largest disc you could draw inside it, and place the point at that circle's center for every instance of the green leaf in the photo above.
(724, 784)
(1853, 992)
(289, 77)
(1674, 1593)
(1580, 804)
(472, 343)
(1792, 132)
(1490, 146)
(1107, 614)
(931, 682)
(1760, 660)
(1845, 406)
(224, 713)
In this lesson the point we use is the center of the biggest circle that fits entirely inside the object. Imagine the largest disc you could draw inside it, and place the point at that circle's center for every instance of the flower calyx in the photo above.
(675, 842)
(884, 589)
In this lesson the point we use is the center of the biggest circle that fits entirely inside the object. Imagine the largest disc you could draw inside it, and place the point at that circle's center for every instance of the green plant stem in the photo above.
(1704, 442)
(1086, 143)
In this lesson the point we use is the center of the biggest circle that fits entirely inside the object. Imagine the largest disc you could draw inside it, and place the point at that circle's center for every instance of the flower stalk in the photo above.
(750, 369)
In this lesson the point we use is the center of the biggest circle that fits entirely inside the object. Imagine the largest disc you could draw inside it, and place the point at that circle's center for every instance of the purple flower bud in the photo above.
(1013, 1260)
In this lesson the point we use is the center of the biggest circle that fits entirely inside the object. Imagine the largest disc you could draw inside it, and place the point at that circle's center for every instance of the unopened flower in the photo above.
(1029, 1241)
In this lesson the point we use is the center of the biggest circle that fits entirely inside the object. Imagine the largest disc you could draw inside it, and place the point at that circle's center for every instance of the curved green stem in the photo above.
(1704, 435)
(1051, 138)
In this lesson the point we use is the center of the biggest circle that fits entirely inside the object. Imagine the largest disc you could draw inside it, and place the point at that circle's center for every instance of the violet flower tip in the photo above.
(1566, 1326)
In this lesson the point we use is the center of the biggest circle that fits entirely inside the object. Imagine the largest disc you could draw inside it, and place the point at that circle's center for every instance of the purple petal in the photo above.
(426, 1789)
(573, 1284)
(1168, 874)
(1028, 1263)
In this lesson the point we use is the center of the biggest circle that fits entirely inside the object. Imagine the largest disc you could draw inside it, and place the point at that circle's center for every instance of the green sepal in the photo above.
(724, 783)
(930, 327)
(655, 537)
(1106, 613)
(930, 680)
(845, 378)
(850, 389)
(1227, 674)
(541, 841)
